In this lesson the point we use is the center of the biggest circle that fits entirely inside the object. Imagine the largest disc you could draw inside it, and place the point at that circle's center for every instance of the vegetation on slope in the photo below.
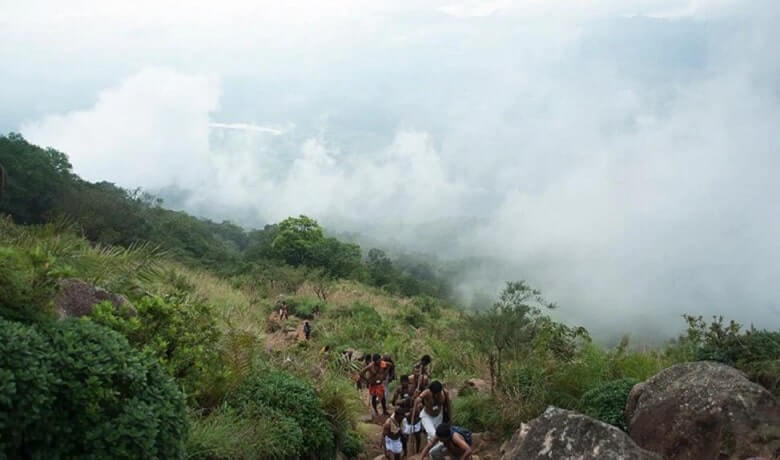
(201, 333)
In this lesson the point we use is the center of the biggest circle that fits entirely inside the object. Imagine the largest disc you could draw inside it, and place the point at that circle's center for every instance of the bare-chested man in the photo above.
(375, 374)
(434, 406)
(422, 368)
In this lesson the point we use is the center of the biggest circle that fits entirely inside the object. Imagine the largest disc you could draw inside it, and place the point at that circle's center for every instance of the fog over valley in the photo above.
(621, 156)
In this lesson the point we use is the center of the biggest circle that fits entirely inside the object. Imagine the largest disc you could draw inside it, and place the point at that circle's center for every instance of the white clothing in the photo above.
(408, 428)
(394, 445)
(430, 423)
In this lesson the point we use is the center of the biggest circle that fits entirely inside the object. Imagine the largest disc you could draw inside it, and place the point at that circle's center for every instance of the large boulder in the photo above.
(77, 298)
(562, 434)
(704, 410)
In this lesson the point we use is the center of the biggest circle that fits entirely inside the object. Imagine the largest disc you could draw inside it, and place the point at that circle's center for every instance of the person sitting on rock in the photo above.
(448, 443)
(434, 407)
(392, 436)
(374, 374)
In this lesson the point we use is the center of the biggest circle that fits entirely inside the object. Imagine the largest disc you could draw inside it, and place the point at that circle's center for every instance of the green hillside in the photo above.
(196, 363)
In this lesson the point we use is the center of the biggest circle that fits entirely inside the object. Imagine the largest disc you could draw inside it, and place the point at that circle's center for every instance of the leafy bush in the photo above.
(755, 352)
(181, 333)
(76, 389)
(477, 411)
(352, 446)
(341, 405)
(412, 315)
(306, 308)
(28, 282)
(607, 402)
(296, 399)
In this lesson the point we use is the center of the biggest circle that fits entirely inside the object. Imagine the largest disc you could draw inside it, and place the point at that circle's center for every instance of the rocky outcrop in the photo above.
(77, 298)
(478, 385)
(704, 410)
(562, 434)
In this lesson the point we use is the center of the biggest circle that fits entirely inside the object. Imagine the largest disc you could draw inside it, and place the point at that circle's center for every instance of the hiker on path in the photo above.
(392, 436)
(419, 383)
(307, 330)
(434, 406)
(422, 368)
(283, 311)
(403, 398)
(390, 374)
(449, 442)
(374, 374)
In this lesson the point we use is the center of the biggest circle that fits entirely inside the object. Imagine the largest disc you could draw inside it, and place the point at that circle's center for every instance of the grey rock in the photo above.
(704, 410)
(561, 434)
(76, 298)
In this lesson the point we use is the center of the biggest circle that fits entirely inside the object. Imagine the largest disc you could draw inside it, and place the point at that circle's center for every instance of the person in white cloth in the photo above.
(392, 436)
(434, 407)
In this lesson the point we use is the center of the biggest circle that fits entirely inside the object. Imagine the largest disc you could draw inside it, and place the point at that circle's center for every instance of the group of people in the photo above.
(419, 405)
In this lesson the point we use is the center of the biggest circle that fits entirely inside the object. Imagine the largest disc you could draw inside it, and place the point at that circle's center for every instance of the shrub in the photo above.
(76, 389)
(607, 402)
(341, 405)
(181, 333)
(293, 397)
(28, 282)
(477, 412)
(428, 305)
(224, 434)
(411, 315)
(352, 446)
(306, 308)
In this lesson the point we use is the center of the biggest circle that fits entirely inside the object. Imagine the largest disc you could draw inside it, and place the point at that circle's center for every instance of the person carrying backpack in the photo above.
(452, 442)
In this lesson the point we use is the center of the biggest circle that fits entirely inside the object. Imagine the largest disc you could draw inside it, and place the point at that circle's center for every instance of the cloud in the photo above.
(619, 155)
(150, 130)
(247, 127)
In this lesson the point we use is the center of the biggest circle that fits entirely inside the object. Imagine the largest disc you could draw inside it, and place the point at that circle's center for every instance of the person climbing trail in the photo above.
(392, 436)
(374, 374)
(403, 397)
(307, 330)
(449, 442)
(389, 373)
(434, 406)
(422, 368)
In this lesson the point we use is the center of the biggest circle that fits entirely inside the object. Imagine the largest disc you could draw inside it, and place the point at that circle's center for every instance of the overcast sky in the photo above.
(621, 155)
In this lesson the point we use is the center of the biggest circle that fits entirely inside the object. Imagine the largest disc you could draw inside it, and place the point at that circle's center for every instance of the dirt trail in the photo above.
(485, 447)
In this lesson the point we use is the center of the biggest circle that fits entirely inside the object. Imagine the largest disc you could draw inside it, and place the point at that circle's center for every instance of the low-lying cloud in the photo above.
(625, 161)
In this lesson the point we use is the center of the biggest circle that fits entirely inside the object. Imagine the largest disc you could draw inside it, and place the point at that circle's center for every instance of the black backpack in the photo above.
(463, 432)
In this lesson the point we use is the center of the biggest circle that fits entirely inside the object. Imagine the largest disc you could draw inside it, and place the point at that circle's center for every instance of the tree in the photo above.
(507, 325)
(296, 241)
(380, 268)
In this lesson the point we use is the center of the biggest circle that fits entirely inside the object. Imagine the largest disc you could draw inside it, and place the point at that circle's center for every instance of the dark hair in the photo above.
(436, 386)
(426, 359)
(404, 378)
(443, 431)
(377, 357)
